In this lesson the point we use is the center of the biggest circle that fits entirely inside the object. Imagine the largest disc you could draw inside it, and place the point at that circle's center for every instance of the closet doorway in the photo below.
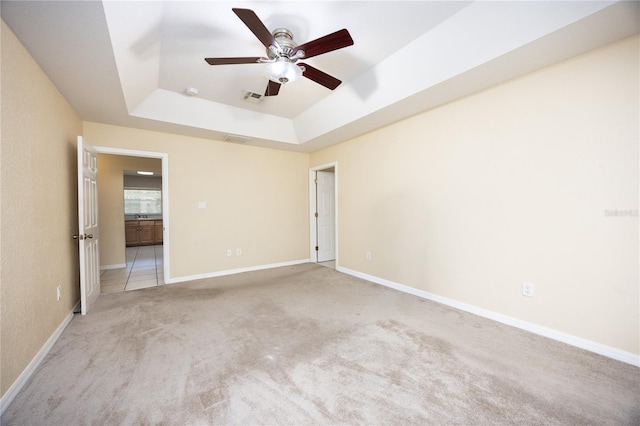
(323, 202)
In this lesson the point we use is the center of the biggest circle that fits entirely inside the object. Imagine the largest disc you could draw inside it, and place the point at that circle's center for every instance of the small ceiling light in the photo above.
(191, 91)
(140, 172)
(283, 71)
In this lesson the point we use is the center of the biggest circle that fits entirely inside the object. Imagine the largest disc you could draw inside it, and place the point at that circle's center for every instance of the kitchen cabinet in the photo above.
(131, 232)
(159, 231)
(143, 232)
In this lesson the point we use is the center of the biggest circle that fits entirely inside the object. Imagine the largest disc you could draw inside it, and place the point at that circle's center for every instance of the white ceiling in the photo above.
(129, 62)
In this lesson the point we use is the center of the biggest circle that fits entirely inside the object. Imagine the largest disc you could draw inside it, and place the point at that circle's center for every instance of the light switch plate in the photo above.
(202, 204)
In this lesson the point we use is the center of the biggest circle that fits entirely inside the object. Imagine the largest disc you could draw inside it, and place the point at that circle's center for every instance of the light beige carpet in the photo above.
(309, 345)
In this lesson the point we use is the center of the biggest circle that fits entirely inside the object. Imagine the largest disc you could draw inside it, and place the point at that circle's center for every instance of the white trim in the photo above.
(116, 266)
(165, 217)
(165, 194)
(608, 351)
(234, 271)
(312, 206)
(313, 257)
(13, 390)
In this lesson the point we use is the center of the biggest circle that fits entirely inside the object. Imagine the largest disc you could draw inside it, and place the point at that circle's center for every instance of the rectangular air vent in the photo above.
(252, 97)
(236, 139)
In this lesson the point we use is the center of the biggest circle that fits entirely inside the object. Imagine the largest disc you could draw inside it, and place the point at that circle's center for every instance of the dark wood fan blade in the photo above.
(320, 77)
(328, 43)
(272, 88)
(230, 61)
(256, 26)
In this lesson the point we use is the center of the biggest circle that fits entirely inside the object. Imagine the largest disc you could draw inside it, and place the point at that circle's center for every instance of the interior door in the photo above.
(88, 225)
(325, 222)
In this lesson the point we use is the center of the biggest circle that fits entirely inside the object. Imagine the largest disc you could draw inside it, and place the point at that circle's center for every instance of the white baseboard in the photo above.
(117, 266)
(11, 393)
(234, 271)
(608, 351)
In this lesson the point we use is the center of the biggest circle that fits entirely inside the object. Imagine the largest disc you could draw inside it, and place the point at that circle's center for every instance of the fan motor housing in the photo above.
(284, 37)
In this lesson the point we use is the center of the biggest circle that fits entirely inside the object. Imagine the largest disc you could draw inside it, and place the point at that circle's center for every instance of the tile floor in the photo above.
(144, 269)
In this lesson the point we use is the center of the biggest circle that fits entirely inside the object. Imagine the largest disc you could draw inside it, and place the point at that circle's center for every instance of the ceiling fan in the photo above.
(283, 53)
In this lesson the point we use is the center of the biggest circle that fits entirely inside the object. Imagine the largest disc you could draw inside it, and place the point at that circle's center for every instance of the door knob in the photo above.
(88, 236)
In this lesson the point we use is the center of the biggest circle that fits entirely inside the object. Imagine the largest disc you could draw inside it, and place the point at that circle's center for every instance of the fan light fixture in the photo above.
(283, 71)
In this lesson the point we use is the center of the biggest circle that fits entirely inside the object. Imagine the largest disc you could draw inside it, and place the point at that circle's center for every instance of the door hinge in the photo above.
(316, 248)
(316, 214)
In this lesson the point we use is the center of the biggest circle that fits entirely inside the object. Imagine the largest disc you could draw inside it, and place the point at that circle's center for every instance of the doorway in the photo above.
(323, 200)
(111, 184)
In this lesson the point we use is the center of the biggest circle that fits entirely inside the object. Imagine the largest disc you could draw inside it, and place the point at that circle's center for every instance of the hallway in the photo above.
(144, 269)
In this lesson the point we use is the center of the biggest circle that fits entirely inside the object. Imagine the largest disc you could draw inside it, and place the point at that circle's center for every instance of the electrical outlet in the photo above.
(528, 289)
(368, 255)
(59, 292)
(239, 252)
(229, 252)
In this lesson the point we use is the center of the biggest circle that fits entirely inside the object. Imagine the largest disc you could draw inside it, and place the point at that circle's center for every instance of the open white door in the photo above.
(326, 216)
(88, 225)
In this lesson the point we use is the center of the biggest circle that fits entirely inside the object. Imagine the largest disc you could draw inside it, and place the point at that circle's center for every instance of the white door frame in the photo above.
(312, 209)
(165, 194)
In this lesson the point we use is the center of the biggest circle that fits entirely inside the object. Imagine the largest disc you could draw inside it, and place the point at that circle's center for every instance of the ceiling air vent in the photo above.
(252, 97)
(236, 139)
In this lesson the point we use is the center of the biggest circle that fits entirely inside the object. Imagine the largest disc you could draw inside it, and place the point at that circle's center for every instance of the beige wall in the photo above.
(111, 202)
(257, 199)
(513, 184)
(39, 209)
